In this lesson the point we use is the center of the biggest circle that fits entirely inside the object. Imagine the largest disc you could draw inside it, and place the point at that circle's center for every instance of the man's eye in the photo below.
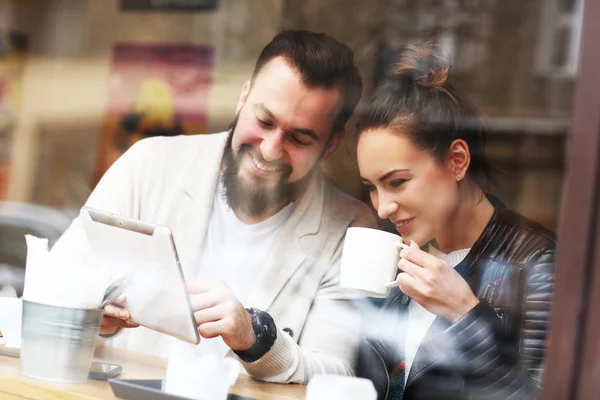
(299, 141)
(264, 123)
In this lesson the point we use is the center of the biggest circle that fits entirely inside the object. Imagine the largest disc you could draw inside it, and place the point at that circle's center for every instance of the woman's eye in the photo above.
(397, 183)
(370, 188)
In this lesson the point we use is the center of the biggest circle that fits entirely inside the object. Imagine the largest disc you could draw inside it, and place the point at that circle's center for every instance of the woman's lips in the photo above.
(404, 225)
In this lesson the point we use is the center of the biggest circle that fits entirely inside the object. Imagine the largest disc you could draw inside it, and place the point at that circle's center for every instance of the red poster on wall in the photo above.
(13, 46)
(154, 90)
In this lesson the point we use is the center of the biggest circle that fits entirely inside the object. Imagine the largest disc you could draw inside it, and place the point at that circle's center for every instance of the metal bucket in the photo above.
(57, 343)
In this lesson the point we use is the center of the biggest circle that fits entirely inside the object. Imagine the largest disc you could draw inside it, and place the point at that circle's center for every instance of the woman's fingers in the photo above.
(416, 271)
(407, 283)
(403, 281)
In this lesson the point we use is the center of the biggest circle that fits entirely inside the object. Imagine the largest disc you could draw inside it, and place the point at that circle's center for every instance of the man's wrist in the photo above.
(265, 333)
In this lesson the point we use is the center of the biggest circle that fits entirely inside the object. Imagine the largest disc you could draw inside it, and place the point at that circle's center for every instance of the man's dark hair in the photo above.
(322, 62)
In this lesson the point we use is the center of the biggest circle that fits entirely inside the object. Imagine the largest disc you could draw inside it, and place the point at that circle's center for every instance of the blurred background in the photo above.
(81, 80)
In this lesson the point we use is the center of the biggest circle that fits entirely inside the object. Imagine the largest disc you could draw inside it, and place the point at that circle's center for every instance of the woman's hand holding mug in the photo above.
(433, 284)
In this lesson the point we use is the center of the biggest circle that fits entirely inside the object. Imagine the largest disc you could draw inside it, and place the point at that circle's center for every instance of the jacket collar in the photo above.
(198, 193)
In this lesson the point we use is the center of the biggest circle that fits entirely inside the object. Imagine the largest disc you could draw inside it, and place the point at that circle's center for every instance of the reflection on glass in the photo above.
(567, 5)
(561, 51)
(72, 101)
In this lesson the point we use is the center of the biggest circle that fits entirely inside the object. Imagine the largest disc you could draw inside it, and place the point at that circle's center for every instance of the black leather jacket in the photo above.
(495, 351)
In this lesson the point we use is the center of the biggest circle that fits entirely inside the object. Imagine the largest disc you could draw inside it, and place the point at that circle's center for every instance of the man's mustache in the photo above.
(279, 164)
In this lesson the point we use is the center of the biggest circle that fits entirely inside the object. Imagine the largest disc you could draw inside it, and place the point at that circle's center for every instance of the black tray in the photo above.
(150, 389)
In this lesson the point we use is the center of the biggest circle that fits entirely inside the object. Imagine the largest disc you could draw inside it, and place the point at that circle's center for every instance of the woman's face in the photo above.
(407, 185)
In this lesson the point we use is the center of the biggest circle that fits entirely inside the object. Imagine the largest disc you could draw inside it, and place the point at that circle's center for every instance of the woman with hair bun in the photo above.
(468, 314)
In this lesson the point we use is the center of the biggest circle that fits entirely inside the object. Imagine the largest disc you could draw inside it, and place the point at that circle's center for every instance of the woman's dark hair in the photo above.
(420, 101)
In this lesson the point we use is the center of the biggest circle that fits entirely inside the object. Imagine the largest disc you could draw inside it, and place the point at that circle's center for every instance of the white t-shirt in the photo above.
(419, 319)
(236, 253)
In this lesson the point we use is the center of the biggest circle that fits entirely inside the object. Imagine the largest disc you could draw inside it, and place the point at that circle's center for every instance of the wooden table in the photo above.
(135, 366)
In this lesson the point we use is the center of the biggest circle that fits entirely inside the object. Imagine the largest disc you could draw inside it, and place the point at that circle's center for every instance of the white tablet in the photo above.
(156, 295)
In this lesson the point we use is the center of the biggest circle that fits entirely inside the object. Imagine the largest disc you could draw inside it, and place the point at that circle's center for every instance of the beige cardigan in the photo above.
(172, 181)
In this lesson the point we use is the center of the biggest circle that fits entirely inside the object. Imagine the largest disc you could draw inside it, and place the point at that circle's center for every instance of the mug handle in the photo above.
(401, 245)
(398, 245)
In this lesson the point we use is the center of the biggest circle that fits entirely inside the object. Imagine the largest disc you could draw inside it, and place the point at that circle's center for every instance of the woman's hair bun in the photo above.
(423, 63)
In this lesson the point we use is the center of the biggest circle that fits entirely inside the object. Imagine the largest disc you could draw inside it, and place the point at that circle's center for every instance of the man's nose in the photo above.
(272, 146)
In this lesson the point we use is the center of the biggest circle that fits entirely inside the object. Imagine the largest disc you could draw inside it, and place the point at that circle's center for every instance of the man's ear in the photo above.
(243, 96)
(333, 144)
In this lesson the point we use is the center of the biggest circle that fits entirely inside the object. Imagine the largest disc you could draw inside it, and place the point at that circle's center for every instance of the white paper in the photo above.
(56, 280)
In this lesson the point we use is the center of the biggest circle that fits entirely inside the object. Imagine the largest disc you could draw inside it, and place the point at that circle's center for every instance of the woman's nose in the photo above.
(386, 208)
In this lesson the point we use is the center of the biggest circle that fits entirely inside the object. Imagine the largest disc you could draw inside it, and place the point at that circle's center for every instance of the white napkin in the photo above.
(333, 387)
(194, 374)
(59, 281)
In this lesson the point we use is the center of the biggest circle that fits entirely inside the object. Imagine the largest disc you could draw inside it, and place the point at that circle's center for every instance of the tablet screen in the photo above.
(156, 295)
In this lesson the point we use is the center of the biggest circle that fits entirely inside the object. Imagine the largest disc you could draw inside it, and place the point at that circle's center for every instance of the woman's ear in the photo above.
(459, 159)
(243, 96)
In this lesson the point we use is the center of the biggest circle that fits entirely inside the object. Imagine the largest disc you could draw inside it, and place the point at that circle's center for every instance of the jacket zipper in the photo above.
(503, 319)
(376, 349)
(493, 286)
(490, 294)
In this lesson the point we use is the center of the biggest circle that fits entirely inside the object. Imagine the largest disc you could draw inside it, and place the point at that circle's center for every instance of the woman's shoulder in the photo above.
(515, 239)
(506, 221)
(523, 226)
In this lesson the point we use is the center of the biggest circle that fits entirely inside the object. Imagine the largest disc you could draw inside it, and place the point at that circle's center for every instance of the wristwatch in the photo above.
(265, 331)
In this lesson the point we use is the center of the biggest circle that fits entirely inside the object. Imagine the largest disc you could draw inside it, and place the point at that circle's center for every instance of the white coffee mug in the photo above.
(370, 261)
(11, 309)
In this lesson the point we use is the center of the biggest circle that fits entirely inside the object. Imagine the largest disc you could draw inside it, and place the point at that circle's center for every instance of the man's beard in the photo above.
(248, 196)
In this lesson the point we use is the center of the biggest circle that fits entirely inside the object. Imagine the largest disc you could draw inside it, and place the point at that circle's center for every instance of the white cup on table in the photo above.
(370, 261)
